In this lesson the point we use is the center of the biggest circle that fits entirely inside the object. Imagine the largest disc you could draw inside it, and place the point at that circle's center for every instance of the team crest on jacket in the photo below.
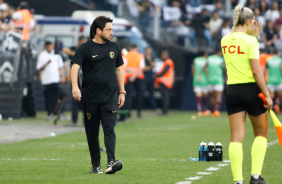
(112, 54)
(88, 115)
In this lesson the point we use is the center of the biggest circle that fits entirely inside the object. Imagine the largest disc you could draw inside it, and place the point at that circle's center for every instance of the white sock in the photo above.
(239, 182)
(256, 176)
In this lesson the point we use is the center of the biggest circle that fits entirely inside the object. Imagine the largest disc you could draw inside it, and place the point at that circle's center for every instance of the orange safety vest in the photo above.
(126, 75)
(25, 23)
(134, 58)
(262, 61)
(168, 78)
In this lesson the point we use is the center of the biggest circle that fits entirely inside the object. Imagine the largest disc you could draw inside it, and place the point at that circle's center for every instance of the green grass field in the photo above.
(153, 150)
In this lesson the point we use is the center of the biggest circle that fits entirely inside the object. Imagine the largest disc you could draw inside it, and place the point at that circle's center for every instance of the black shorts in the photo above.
(244, 97)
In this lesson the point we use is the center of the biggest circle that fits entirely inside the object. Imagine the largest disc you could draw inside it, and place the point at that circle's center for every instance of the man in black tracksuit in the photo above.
(100, 60)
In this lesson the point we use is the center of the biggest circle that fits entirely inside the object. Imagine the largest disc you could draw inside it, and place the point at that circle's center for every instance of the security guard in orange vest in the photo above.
(22, 20)
(135, 65)
(164, 80)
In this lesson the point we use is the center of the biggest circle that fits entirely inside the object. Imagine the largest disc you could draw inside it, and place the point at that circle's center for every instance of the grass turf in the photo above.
(153, 150)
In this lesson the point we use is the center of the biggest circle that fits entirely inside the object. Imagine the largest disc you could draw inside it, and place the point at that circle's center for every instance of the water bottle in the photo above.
(205, 149)
(201, 148)
(218, 148)
(210, 148)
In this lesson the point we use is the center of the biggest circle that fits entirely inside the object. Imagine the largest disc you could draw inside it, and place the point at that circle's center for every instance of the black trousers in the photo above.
(106, 113)
(165, 98)
(75, 107)
(149, 85)
(51, 94)
(136, 87)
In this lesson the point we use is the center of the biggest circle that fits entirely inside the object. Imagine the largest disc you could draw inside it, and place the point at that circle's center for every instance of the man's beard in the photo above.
(104, 38)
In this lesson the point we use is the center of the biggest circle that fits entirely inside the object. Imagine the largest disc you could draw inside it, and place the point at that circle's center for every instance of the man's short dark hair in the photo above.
(100, 22)
(48, 43)
(82, 37)
(133, 46)
(23, 5)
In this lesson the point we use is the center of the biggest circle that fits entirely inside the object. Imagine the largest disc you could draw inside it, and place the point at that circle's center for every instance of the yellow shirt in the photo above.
(237, 49)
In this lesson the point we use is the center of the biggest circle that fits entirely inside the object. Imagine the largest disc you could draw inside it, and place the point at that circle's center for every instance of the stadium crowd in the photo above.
(192, 23)
(197, 22)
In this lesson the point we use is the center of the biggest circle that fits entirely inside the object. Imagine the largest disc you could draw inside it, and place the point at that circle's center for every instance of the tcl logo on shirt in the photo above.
(232, 49)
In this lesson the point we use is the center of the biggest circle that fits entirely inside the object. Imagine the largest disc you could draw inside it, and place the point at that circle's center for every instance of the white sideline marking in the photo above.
(226, 163)
(204, 173)
(272, 142)
(184, 182)
(194, 178)
(31, 159)
(212, 169)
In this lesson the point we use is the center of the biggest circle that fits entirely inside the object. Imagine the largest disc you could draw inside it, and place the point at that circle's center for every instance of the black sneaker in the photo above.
(260, 180)
(96, 169)
(113, 167)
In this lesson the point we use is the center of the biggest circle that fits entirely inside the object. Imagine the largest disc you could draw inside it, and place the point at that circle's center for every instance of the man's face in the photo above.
(107, 32)
(148, 51)
(49, 48)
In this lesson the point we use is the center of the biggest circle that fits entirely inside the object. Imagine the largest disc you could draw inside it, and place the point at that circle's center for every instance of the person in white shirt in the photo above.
(273, 13)
(50, 68)
(215, 23)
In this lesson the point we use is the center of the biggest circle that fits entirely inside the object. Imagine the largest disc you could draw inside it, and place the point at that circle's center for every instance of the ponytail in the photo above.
(237, 13)
(241, 14)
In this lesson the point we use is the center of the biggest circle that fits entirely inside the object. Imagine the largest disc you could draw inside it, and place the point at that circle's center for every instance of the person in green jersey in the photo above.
(240, 49)
(215, 68)
(273, 72)
(200, 84)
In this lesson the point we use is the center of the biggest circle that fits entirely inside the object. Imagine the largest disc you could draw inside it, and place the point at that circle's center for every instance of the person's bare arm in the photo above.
(120, 81)
(44, 66)
(68, 51)
(202, 71)
(74, 78)
(62, 80)
(67, 69)
(258, 76)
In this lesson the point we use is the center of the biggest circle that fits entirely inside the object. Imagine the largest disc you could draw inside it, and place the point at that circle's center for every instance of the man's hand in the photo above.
(76, 94)
(199, 78)
(121, 100)
(62, 80)
(132, 79)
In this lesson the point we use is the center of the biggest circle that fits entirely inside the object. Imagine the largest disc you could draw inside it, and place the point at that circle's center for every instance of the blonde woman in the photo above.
(240, 49)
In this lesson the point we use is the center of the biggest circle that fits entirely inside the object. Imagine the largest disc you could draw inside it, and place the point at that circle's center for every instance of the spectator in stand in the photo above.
(234, 3)
(259, 17)
(182, 29)
(218, 8)
(215, 25)
(273, 13)
(251, 4)
(23, 20)
(225, 27)
(278, 25)
(200, 24)
(144, 17)
(270, 35)
(113, 6)
(263, 7)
